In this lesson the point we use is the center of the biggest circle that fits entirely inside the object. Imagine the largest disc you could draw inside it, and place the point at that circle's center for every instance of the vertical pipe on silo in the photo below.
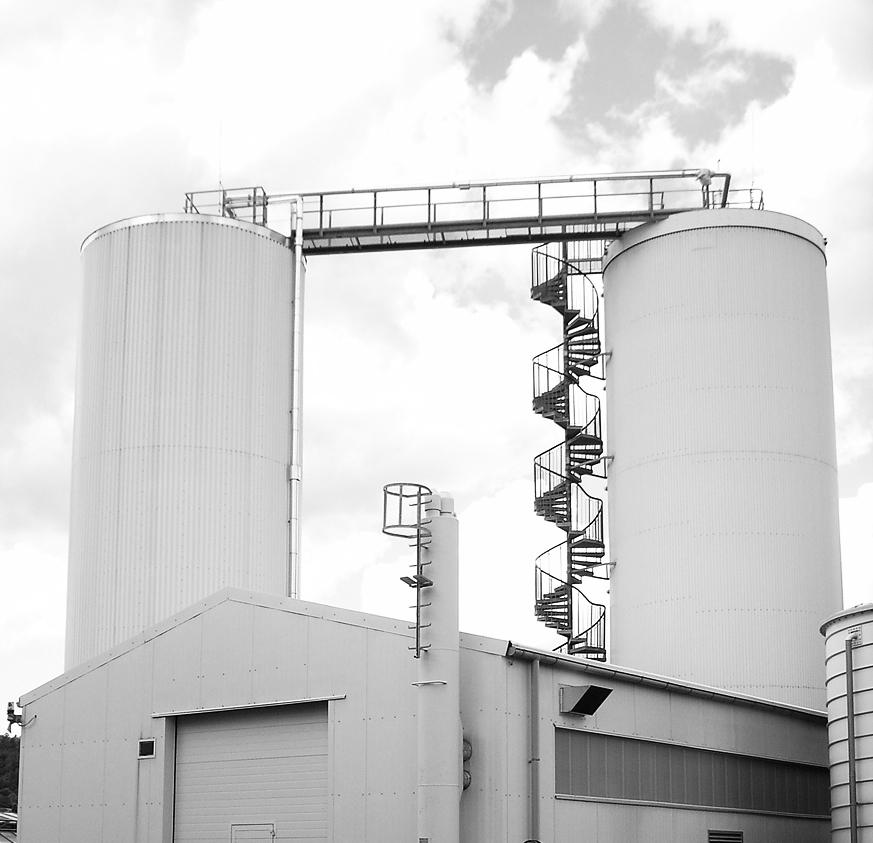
(851, 640)
(295, 470)
(439, 701)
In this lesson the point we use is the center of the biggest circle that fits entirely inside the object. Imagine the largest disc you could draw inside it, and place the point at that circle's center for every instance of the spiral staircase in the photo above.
(560, 280)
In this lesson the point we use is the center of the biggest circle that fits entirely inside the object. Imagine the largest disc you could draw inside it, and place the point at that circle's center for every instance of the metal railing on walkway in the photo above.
(562, 208)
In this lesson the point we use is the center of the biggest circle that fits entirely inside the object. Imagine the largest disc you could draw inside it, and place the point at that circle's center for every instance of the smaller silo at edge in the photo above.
(849, 670)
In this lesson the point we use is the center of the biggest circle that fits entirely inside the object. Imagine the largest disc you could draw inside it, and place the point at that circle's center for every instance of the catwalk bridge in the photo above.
(565, 208)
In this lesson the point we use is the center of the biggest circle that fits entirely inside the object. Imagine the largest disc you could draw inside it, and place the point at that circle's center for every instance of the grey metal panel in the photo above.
(258, 766)
(326, 670)
(226, 660)
(177, 667)
(128, 689)
(390, 782)
(41, 770)
(722, 493)
(277, 635)
(486, 812)
(181, 442)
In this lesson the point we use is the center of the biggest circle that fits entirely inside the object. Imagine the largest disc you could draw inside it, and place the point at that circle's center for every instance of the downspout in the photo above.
(295, 467)
(534, 750)
(851, 640)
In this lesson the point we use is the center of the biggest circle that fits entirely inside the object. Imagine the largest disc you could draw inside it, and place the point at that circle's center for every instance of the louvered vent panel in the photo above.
(716, 836)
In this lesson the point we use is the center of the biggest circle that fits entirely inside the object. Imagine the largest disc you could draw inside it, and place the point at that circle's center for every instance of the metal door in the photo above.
(252, 775)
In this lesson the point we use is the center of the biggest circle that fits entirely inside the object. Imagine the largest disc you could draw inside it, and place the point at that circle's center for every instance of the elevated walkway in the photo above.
(597, 207)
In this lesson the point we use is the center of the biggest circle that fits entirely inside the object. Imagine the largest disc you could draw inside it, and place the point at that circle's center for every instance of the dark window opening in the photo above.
(147, 748)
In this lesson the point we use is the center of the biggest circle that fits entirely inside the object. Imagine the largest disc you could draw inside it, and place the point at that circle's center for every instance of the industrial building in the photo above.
(204, 701)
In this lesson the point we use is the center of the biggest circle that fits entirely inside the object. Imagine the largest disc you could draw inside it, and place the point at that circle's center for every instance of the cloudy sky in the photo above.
(417, 364)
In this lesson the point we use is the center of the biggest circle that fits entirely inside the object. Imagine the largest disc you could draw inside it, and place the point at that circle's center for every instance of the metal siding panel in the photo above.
(691, 720)
(492, 693)
(129, 693)
(227, 655)
(177, 667)
(722, 493)
(511, 705)
(266, 765)
(621, 823)
(41, 765)
(280, 638)
(391, 703)
(181, 440)
(631, 823)
(326, 670)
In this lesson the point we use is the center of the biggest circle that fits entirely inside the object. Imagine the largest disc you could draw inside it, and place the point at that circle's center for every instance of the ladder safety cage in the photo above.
(403, 507)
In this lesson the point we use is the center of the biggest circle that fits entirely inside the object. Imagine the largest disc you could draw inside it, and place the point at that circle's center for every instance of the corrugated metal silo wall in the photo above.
(723, 507)
(181, 443)
(857, 623)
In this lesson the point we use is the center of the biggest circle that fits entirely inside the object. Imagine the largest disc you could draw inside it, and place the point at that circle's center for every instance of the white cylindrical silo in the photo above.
(182, 429)
(723, 518)
(849, 670)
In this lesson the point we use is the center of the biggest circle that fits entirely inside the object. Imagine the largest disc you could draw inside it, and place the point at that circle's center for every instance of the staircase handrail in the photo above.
(596, 613)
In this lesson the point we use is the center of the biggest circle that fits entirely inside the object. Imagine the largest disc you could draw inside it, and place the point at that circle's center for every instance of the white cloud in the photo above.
(853, 373)
(34, 612)
(856, 538)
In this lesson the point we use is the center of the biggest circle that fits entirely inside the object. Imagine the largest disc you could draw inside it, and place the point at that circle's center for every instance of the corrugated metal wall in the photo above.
(181, 444)
(857, 623)
(723, 490)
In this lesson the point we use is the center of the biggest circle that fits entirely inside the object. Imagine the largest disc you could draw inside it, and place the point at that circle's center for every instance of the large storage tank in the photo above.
(182, 429)
(723, 508)
(853, 627)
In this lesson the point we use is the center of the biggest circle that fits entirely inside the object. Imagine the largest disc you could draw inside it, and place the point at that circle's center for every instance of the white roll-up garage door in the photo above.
(252, 775)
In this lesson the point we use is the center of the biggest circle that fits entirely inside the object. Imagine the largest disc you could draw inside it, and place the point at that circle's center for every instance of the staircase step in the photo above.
(587, 542)
(595, 652)
(587, 558)
(551, 291)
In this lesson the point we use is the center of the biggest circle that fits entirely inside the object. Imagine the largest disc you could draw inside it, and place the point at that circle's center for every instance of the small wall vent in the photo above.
(582, 699)
(716, 836)
(147, 748)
